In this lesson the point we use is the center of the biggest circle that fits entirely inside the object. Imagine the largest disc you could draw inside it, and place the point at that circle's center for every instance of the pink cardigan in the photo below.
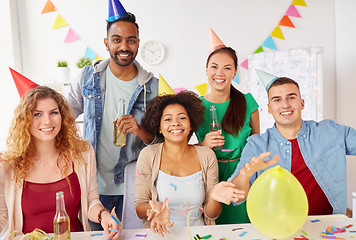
(10, 195)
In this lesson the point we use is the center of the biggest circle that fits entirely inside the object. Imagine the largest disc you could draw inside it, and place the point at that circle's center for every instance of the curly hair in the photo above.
(189, 100)
(20, 146)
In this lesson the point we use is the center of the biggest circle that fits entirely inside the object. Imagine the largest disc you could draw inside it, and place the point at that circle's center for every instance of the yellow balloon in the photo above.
(277, 204)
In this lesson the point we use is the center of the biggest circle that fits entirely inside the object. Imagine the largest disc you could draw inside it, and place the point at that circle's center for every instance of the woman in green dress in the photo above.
(239, 118)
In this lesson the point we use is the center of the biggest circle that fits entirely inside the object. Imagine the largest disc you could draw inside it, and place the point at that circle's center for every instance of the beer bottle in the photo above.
(119, 139)
(214, 123)
(61, 221)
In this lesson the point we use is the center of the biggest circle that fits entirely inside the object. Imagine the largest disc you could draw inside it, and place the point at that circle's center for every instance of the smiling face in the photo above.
(220, 71)
(122, 42)
(175, 123)
(46, 121)
(286, 105)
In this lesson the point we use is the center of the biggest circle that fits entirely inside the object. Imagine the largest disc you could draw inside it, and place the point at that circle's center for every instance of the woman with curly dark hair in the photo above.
(45, 155)
(186, 175)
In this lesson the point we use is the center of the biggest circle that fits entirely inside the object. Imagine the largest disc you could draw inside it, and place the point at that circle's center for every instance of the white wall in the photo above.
(183, 27)
(10, 57)
(346, 75)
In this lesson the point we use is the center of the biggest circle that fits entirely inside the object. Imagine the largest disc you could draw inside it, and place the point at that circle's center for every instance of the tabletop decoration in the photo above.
(36, 234)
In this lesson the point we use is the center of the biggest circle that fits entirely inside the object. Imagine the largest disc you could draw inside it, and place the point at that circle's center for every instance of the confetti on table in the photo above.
(243, 234)
(234, 229)
(304, 233)
(206, 237)
(314, 221)
(138, 173)
(96, 236)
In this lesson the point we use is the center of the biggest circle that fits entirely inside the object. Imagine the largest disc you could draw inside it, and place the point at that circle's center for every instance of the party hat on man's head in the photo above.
(116, 10)
(214, 42)
(163, 87)
(23, 84)
(266, 78)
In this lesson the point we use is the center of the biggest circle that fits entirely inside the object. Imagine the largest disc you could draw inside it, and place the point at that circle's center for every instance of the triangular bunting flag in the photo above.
(259, 49)
(97, 58)
(277, 33)
(269, 43)
(299, 3)
(236, 78)
(89, 53)
(178, 90)
(60, 22)
(292, 12)
(202, 88)
(244, 64)
(163, 87)
(49, 7)
(285, 21)
(71, 36)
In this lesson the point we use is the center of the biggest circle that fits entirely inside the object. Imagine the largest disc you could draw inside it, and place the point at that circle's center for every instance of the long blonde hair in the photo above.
(20, 147)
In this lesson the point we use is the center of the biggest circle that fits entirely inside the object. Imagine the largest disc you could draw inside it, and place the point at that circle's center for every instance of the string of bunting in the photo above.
(268, 43)
(277, 32)
(71, 34)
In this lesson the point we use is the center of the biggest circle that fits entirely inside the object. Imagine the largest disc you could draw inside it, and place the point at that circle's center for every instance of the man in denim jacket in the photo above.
(96, 93)
(314, 152)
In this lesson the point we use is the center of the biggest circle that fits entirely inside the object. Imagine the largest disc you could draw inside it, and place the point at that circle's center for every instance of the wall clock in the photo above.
(152, 52)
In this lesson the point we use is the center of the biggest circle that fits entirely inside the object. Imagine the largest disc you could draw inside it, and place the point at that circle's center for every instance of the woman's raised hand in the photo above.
(159, 216)
(226, 192)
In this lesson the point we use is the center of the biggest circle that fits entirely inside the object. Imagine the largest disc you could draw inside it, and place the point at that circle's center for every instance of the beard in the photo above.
(126, 62)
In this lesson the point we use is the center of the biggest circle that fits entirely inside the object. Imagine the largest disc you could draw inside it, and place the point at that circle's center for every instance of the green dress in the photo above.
(230, 214)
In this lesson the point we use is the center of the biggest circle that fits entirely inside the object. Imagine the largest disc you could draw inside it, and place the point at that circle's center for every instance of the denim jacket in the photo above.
(324, 147)
(87, 95)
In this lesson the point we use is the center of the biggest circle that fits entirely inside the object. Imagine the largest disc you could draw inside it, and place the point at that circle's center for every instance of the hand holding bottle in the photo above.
(214, 139)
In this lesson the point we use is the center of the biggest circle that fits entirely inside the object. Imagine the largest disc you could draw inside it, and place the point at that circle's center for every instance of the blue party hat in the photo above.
(116, 10)
(266, 78)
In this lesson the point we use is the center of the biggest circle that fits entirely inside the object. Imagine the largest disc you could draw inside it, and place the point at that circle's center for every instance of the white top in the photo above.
(181, 193)
(107, 153)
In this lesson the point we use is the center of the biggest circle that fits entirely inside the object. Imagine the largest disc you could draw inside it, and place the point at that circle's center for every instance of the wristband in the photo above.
(100, 212)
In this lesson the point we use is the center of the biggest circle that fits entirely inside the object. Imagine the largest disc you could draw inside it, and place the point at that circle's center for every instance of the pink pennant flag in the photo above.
(178, 90)
(71, 36)
(244, 64)
(292, 12)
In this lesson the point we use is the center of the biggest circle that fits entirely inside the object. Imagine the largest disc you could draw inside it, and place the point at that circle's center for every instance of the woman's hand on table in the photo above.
(226, 192)
(159, 216)
(110, 226)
